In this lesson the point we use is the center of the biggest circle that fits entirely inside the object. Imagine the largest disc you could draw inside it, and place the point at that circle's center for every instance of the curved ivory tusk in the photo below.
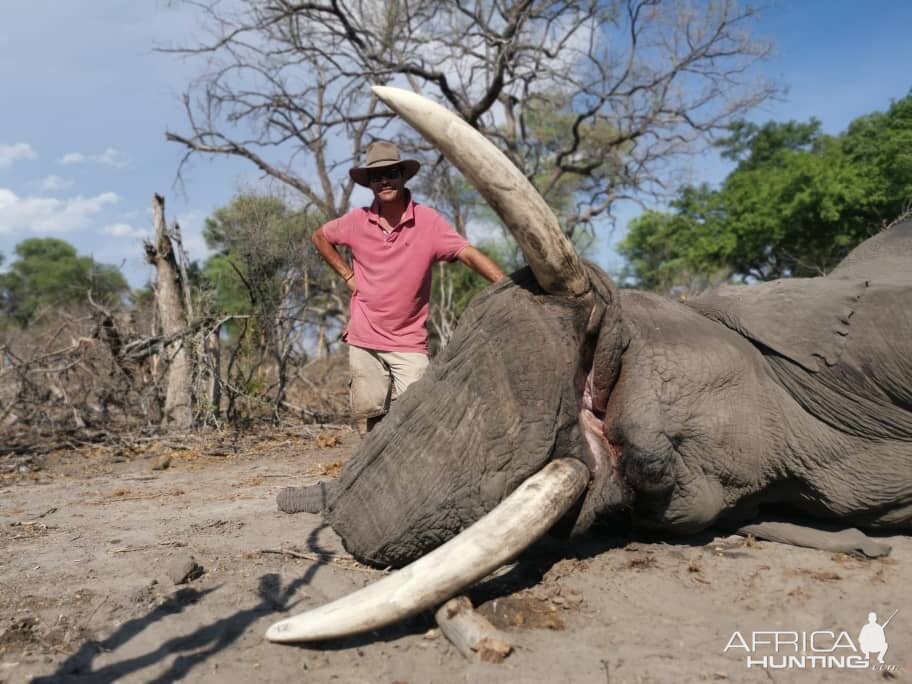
(554, 261)
(502, 534)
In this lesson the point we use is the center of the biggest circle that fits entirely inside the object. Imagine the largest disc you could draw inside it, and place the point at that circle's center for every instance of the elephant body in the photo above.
(747, 403)
(793, 395)
(840, 347)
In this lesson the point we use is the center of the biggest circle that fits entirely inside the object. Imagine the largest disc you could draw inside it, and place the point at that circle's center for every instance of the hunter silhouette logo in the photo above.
(786, 649)
(872, 638)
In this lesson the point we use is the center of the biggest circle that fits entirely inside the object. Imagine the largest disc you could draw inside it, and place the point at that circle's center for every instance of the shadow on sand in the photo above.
(191, 649)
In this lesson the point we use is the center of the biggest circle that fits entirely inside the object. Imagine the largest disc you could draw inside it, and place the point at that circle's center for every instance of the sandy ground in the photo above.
(91, 546)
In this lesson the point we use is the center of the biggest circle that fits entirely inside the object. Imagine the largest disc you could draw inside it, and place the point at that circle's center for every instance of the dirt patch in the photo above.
(36, 626)
(522, 613)
(89, 542)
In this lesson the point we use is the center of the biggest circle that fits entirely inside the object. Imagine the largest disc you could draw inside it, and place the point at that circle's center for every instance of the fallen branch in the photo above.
(305, 556)
(472, 635)
(35, 520)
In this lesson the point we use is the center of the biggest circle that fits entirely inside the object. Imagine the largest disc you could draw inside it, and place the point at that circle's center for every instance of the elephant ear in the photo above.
(803, 319)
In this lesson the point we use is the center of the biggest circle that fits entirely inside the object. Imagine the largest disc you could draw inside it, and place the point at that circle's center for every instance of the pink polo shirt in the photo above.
(389, 309)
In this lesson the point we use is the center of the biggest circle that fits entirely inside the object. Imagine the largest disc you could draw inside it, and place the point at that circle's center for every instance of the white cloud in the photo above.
(72, 158)
(15, 152)
(49, 214)
(54, 183)
(125, 230)
(110, 157)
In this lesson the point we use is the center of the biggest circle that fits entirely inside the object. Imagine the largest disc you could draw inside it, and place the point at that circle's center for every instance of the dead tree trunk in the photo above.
(212, 356)
(169, 298)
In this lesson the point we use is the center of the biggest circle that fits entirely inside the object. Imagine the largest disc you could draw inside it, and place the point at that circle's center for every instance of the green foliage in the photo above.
(259, 241)
(226, 282)
(882, 143)
(49, 273)
(753, 145)
(796, 203)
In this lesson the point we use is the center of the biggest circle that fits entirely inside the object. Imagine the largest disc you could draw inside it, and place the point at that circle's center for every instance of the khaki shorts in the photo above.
(379, 377)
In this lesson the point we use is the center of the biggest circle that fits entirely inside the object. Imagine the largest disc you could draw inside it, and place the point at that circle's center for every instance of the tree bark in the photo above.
(169, 298)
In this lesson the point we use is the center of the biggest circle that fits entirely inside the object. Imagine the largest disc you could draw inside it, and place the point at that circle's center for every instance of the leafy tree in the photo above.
(796, 203)
(49, 273)
(798, 214)
(753, 145)
(265, 273)
(677, 251)
(882, 143)
(258, 242)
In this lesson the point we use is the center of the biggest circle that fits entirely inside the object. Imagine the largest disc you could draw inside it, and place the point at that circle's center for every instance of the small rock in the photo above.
(183, 569)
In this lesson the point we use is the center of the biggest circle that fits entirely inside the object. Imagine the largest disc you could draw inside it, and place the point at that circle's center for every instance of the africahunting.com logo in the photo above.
(822, 649)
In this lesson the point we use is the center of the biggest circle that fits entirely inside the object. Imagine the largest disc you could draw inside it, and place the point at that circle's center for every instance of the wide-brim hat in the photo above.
(379, 155)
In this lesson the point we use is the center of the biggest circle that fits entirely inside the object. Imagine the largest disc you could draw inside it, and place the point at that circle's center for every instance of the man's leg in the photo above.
(370, 385)
(405, 367)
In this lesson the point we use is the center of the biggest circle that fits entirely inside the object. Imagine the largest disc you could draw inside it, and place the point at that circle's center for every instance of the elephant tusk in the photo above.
(514, 524)
(552, 257)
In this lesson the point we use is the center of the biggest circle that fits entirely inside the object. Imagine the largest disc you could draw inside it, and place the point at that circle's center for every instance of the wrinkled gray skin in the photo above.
(795, 393)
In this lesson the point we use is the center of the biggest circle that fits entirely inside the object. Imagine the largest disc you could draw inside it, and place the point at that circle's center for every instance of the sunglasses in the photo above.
(389, 173)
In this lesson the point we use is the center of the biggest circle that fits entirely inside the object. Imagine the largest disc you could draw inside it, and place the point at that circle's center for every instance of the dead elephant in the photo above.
(563, 397)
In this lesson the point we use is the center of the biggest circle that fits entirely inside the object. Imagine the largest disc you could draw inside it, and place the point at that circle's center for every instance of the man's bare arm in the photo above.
(481, 264)
(332, 257)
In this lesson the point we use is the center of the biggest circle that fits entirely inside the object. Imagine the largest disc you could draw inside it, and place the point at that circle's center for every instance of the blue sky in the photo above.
(86, 102)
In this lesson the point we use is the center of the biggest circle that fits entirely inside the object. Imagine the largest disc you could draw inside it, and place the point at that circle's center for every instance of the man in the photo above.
(394, 243)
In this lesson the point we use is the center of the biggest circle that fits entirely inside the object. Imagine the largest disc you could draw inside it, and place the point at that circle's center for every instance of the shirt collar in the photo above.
(408, 216)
